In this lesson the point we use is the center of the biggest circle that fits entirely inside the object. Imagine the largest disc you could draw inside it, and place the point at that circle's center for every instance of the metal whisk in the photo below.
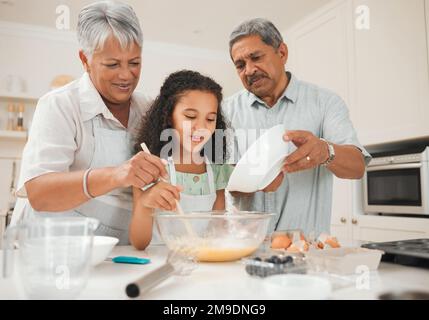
(178, 263)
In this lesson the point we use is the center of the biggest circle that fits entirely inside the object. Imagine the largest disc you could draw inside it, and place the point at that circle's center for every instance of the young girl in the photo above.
(188, 111)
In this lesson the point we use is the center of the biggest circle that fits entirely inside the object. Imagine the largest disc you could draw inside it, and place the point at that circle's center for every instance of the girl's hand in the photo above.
(139, 171)
(161, 196)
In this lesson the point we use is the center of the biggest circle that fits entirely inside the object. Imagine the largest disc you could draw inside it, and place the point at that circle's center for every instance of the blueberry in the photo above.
(276, 259)
(273, 259)
(287, 259)
(263, 272)
(259, 271)
(251, 269)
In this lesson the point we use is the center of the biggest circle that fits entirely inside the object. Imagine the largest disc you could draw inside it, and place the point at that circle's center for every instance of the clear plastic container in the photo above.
(343, 261)
(271, 262)
(299, 264)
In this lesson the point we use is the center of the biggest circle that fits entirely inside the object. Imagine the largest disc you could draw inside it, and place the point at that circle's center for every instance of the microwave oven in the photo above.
(398, 184)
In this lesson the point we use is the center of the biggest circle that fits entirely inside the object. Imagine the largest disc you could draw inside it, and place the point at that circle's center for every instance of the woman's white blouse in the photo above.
(61, 137)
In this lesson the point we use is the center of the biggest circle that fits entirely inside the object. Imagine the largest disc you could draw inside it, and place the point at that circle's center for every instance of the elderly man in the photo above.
(318, 125)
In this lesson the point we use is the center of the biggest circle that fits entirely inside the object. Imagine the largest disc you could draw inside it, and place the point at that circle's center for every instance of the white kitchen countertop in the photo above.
(220, 281)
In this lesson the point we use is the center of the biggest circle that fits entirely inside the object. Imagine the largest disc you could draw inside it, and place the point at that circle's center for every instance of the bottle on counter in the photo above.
(20, 123)
(10, 117)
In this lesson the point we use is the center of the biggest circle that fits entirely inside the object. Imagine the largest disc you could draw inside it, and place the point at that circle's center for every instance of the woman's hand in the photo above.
(161, 196)
(139, 171)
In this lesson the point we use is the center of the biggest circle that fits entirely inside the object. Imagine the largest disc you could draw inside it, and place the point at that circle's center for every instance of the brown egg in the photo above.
(333, 242)
(306, 246)
(281, 241)
(293, 248)
(299, 246)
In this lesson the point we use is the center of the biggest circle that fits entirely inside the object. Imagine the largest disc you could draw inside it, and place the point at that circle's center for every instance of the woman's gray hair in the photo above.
(269, 34)
(99, 20)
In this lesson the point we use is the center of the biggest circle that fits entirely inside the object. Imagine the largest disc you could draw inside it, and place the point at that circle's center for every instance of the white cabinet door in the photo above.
(381, 228)
(319, 49)
(319, 53)
(392, 77)
(427, 25)
(342, 210)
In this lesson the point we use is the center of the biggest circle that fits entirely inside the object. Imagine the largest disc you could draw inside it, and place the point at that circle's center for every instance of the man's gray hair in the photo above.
(269, 34)
(99, 20)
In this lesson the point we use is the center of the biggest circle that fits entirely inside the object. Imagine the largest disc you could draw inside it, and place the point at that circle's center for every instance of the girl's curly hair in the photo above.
(159, 115)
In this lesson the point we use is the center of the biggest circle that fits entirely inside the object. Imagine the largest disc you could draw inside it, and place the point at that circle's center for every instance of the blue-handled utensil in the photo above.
(129, 260)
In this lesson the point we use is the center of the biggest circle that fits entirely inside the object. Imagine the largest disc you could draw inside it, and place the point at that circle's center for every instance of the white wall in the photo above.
(160, 59)
(38, 54)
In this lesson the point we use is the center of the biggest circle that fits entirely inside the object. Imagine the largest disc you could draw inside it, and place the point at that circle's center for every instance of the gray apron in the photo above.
(191, 203)
(113, 210)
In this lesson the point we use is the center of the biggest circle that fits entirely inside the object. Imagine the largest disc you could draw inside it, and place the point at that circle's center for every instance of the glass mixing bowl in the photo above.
(214, 236)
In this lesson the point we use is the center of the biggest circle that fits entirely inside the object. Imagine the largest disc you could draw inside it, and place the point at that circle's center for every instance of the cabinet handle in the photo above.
(354, 221)
(343, 220)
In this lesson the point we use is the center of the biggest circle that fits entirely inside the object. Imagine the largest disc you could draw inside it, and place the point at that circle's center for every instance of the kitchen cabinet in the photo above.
(370, 227)
(29, 103)
(392, 96)
(342, 210)
(383, 228)
(11, 146)
(391, 72)
(9, 173)
(383, 75)
(316, 44)
(319, 43)
(427, 24)
(341, 218)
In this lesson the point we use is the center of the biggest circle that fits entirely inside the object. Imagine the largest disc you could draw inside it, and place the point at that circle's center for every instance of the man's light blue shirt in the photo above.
(304, 199)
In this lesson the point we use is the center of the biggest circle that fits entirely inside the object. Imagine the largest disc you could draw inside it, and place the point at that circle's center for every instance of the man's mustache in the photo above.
(255, 77)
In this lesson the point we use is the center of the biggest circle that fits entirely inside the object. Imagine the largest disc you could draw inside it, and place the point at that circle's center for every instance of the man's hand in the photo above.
(311, 151)
(273, 186)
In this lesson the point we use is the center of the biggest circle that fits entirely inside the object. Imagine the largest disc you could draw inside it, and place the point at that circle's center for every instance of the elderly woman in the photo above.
(78, 156)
